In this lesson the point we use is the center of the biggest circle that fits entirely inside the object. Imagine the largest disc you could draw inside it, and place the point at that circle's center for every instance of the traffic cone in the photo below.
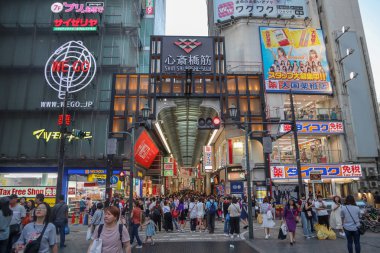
(81, 218)
(73, 218)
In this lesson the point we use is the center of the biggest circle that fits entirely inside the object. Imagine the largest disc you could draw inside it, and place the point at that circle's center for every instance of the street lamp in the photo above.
(344, 30)
(353, 75)
(233, 112)
(349, 52)
(145, 112)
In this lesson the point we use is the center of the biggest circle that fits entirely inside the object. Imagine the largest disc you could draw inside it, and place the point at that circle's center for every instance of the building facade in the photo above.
(298, 47)
(117, 34)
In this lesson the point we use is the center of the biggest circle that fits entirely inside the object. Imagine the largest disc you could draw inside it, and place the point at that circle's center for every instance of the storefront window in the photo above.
(238, 150)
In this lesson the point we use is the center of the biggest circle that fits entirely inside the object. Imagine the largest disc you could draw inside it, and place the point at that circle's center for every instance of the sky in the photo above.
(189, 17)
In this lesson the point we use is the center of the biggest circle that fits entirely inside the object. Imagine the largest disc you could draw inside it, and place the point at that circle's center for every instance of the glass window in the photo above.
(242, 85)
(121, 84)
(132, 87)
(131, 105)
(144, 83)
(253, 85)
(231, 85)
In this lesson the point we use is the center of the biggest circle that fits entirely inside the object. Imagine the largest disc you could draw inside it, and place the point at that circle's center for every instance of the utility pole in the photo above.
(298, 161)
(249, 190)
(61, 155)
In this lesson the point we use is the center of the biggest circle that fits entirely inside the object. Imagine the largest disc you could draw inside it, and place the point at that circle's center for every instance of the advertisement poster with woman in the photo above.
(295, 59)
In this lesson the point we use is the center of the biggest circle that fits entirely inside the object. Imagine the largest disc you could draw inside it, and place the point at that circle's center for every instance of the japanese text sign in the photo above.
(149, 7)
(47, 136)
(88, 7)
(327, 171)
(181, 53)
(207, 158)
(295, 59)
(29, 192)
(75, 24)
(315, 127)
(224, 9)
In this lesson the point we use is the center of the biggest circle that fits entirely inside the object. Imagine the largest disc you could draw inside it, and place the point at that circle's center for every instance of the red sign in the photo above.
(78, 22)
(145, 150)
(67, 120)
(71, 191)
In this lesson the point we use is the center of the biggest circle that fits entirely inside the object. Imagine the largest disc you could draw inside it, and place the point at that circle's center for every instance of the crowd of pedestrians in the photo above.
(112, 227)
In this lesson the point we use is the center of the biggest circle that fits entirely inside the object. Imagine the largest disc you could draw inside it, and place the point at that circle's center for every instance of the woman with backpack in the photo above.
(114, 236)
(39, 235)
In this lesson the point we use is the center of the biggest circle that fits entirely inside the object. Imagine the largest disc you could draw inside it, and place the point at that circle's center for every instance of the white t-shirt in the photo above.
(318, 204)
(193, 210)
(200, 209)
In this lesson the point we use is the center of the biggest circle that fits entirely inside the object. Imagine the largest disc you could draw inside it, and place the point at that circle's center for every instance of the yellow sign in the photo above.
(47, 136)
(298, 38)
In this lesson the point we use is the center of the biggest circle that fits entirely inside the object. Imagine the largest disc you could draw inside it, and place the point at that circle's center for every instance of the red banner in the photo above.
(145, 150)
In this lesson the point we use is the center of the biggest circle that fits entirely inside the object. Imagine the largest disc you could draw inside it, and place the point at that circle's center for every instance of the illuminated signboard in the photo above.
(28, 191)
(288, 9)
(168, 173)
(47, 136)
(207, 158)
(327, 171)
(315, 127)
(294, 59)
(70, 68)
(75, 24)
(236, 174)
(88, 7)
(149, 9)
(145, 150)
(181, 53)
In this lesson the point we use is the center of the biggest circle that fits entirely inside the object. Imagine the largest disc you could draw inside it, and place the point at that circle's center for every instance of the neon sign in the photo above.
(47, 136)
(70, 68)
(75, 24)
(89, 7)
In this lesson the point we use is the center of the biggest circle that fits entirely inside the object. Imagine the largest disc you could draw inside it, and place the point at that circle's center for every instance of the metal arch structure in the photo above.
(179, 124)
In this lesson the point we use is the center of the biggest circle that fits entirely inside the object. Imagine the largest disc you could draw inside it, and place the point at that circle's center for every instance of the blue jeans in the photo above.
(226, 229)
(353, 237)
(306, 224)
(60, 229)
(135, 233)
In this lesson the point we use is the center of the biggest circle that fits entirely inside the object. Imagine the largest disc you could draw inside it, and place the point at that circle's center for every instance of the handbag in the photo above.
(260, 218)
(361, 226)
(96, 246)
(282, 232)
(34, 246)
(67, 229)
(89, 233)
(269, 215)
(175, 214)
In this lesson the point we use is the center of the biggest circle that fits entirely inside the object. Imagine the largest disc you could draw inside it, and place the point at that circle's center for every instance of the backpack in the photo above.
(212, 209)
(156, 212)
(120, 232)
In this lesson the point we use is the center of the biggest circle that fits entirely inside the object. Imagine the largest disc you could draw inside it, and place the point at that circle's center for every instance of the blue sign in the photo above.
(101, 181)
(237, 187)
(114, 179)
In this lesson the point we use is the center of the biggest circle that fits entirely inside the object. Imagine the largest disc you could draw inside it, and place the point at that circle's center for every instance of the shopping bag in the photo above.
(281, 235)
(260, 218)
(322, 235)
(284, 228)
(89, 233)
(269, 215)
(331, 234)
(67, 229)
(96, 246)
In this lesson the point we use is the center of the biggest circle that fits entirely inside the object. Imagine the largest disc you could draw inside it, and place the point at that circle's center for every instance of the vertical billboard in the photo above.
(287, 9)
(207, 158)
(149, 7)
(182, 53)
(294, 59)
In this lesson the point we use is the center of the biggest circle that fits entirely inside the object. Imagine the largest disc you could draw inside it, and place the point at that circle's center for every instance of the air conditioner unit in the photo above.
(373, 184)
(371, 172)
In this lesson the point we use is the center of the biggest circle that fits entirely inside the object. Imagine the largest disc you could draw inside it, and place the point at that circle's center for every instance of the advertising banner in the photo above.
(237, 189)
(288, 9)
(294, 59)
(181, 53)
(207, 158)
(145, 150)
(236, 174)
(315, 127)
(27, 191)
(327, 171)
(149, 7)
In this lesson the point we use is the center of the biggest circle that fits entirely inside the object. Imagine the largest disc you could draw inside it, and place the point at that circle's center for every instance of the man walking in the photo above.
(19, 213)
(59, 217)
(211, 208)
